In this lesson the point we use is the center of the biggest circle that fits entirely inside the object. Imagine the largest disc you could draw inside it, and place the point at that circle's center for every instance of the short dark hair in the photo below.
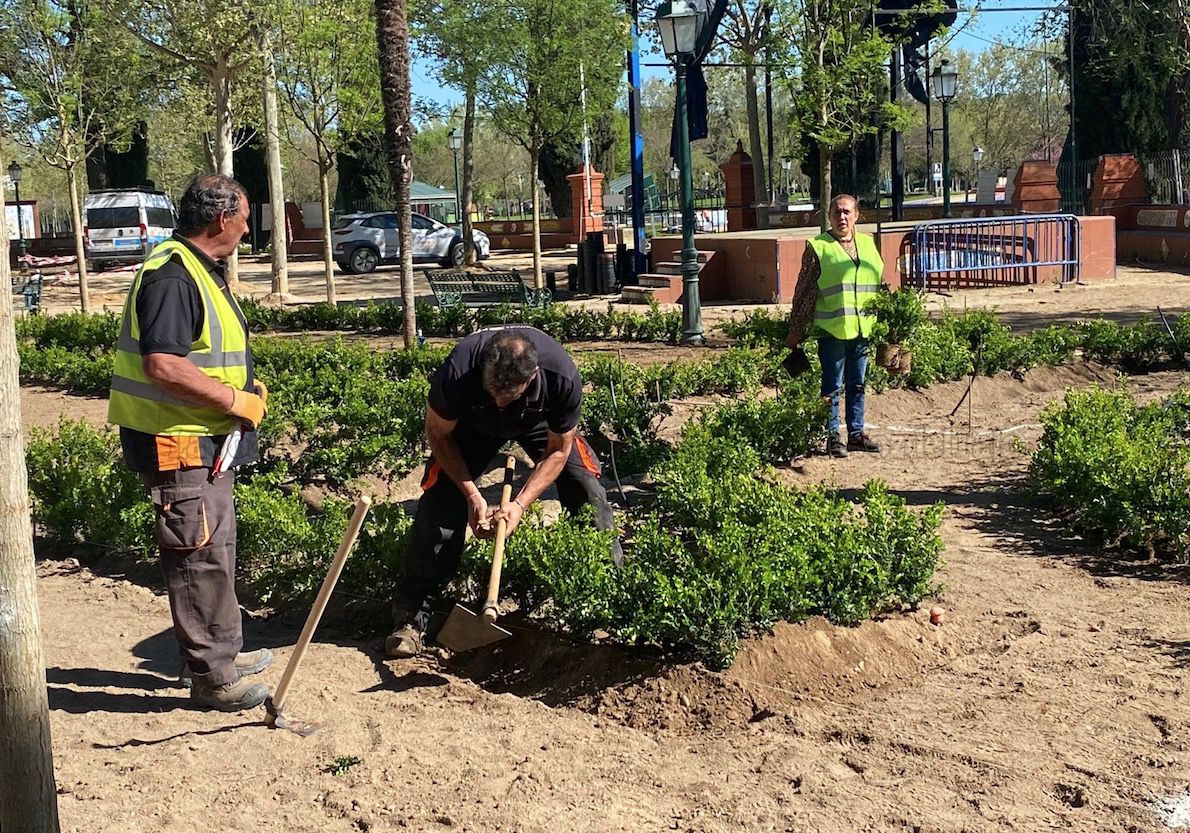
(206, 197)
(509, 360)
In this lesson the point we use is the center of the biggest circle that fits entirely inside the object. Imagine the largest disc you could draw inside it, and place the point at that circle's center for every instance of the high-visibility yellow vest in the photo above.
(220, 351)
(844, 286)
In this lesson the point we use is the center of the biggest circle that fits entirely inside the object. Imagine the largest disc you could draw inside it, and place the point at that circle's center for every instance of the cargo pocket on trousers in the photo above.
(181, 517)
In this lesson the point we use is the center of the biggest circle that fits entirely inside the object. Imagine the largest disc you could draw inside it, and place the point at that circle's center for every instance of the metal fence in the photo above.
(993, 251)
(1168, 176)
(663, 212)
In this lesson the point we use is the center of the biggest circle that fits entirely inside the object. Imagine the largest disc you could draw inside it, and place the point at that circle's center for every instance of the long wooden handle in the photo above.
(490, 607)
(324, 595)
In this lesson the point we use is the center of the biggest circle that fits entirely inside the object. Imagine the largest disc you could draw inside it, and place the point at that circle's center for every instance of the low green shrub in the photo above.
(1120, 470)
(898, 315)
(63, 367)
(81, 490)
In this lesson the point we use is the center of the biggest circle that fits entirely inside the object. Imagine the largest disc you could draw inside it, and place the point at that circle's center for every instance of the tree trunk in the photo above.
(224, 148)
(280, 246)
(80, 252)
(824, 185)
(753, 109)
(534, 157)
(469, 255)
(392, 49)
(328, 261)
(28, 795)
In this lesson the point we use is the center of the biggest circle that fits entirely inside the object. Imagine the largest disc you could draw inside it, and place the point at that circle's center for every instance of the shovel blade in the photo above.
(463, 631)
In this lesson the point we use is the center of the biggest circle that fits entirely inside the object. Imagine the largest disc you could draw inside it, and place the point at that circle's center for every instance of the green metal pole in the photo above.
(691, 307)
(945, 158)
(458, 190)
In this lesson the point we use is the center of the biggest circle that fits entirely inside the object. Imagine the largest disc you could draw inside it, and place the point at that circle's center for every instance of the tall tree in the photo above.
(531, 85)
(331, 87)
(28, 796)
(745, 31)
(392, 50)
(842, 86)
(69, 77)
(278, 243)
(212, 38)
(453, 35)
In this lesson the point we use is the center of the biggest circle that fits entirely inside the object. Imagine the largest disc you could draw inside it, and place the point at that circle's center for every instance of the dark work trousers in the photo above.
(439, 525)
(196, 535)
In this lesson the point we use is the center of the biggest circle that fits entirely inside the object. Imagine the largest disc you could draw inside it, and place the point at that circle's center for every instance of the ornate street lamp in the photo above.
(786, 165)
(454, 141)
(678, 23)
(943, 82)
(14, 173)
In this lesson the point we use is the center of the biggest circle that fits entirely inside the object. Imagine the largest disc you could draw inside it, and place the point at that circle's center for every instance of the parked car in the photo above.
(364, 241)
(124, 224)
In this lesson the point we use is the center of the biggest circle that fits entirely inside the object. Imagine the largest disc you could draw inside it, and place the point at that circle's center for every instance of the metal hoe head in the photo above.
(279, 720)
(463, 631)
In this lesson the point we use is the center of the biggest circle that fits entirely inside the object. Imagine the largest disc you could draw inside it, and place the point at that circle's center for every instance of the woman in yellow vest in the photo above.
(841, 272)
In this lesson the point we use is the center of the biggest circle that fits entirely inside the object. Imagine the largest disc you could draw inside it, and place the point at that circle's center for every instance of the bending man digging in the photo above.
(514, 383)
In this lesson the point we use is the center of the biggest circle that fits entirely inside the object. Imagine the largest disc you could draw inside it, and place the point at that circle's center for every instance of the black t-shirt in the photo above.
(171, 315)
(553, 398)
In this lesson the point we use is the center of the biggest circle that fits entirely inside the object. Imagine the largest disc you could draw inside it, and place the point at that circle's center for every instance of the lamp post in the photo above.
(977, 155)
(943, 81)
(679, 23)
(14, 173)
(786, 165)
(454, 141)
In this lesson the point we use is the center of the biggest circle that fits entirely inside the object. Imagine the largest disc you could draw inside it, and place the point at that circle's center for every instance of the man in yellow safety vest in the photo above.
(187, 403)
(841, 272)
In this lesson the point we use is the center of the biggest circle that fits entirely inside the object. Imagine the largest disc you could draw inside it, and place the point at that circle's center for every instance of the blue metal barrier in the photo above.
(994, 251)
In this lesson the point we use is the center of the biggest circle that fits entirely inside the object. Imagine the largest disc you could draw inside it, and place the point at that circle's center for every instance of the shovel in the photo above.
(463, 630)
(275, 705)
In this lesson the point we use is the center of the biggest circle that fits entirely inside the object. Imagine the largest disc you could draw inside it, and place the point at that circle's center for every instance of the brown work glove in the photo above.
(262, 392)
(248, 407)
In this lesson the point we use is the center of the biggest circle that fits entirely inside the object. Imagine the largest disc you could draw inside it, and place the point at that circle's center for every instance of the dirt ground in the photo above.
(1053, 696)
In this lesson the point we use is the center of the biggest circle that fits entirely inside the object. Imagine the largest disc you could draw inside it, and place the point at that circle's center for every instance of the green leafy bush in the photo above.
(1120, 470)
(81, 490)
(898, 315)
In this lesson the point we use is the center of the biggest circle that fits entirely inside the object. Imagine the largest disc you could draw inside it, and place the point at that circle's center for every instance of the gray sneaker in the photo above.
(232, 697)
(247, 664)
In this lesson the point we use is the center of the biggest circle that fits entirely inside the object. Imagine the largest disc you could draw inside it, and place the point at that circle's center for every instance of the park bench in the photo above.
(30, 290)
(482, 289)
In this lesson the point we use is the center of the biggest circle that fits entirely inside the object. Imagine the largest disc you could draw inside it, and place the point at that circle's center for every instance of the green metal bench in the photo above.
(30, 290)
(483, 289)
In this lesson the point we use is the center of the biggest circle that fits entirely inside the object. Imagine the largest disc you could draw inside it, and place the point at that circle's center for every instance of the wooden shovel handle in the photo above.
(490, 607)
(328, 585)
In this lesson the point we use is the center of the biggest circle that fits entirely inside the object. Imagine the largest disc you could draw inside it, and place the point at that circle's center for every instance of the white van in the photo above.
(125, 223)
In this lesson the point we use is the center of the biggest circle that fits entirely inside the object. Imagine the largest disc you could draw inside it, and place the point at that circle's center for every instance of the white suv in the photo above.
(364, 241)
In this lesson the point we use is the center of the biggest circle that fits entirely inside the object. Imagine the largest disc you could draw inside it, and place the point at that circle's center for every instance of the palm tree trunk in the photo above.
(28, 796)
(392, 49)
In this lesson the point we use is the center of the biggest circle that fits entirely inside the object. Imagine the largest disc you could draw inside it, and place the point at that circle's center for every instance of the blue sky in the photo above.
(973, 35)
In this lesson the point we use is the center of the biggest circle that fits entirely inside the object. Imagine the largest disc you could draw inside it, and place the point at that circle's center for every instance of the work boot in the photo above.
(836, 447)
(247, 664)
(408, 639)
(862, 442)
(231, 697)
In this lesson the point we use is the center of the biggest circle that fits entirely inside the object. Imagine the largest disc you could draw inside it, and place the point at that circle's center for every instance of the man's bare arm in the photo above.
(178, 377)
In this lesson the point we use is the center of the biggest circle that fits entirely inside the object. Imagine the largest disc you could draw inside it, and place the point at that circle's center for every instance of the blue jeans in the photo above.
(844, 360)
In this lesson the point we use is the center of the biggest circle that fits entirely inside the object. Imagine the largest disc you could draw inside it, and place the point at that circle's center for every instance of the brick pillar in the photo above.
(586, 220)
(1036, 188)
(740, 190)
(1118, 180)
